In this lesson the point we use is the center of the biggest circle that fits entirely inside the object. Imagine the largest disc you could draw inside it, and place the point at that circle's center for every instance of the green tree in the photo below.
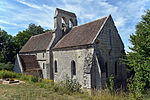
(139, 59)
(22, 37)
(34, 29)
(7, 47)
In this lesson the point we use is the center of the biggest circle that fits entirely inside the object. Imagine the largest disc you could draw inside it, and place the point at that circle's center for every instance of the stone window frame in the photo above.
(73, 67)
(55, 66)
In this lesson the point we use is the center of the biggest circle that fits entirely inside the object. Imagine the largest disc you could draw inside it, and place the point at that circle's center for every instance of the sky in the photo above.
(16, 15)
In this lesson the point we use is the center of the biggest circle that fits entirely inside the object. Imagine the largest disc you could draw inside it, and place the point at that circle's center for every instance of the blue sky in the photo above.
(16, 15)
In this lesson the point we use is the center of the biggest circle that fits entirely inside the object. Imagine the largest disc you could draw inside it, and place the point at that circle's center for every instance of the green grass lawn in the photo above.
(29, 92)
(44, 89)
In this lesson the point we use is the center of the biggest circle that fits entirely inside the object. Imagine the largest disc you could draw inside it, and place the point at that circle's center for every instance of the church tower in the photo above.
(63, 22)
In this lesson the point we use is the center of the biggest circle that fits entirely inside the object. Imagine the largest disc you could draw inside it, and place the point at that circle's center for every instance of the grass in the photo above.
(44, 89)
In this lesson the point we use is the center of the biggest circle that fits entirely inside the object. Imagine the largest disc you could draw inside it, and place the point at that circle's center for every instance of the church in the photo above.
(89, 53)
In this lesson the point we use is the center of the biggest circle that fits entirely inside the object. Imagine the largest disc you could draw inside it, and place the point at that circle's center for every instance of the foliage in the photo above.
(70, 85)
(139, 59)
(45, 89)
(22, 37)
(7, 66)
(110, 84)
(7, 47)
(66, 87)
(11, 45)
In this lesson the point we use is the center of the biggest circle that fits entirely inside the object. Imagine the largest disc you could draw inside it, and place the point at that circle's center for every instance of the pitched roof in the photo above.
(81, 35)
(37, 42)
(29, 62)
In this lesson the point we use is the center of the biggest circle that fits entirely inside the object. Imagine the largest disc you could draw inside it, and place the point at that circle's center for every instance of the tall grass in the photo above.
(66, 87)
(48, 90)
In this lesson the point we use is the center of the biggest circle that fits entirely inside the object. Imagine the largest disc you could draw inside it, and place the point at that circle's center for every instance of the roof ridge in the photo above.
(42, 34)
(90, 22)
(101, 27)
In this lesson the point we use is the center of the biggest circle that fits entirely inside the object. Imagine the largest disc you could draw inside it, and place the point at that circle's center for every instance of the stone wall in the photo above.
(18, 66)
(109, 47)
(43, 60)
(83, 62)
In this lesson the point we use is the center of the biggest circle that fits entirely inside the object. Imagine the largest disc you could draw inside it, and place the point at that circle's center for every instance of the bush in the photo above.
(70, 85)
(65, 87)
(8, 74)
(110, 84)
(7, 66)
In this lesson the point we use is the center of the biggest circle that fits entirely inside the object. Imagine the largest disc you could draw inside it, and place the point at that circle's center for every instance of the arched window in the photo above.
(55, 66)
(116, 69)
(73, 67)
(106, 69)
(70, 23)
(63, 21)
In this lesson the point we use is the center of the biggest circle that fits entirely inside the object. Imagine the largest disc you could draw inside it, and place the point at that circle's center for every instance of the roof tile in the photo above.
(37, 42)
(81, 35)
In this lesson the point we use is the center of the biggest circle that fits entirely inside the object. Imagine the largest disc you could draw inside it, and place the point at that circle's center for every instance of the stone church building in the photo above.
(89, 53)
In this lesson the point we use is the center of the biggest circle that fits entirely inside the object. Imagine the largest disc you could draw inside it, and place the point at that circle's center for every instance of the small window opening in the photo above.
(43, 55)
(55, 66)
(73, 67)
(106, 70)
(109, 53)
(70, 23)
(43, 65)
(110, 38)
(63, 21)
(116, 65)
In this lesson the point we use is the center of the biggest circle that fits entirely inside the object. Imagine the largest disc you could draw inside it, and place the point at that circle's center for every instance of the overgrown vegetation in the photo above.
(65, 87)
(138, 59)
(110, 85)
(39, 89)
(45, 89)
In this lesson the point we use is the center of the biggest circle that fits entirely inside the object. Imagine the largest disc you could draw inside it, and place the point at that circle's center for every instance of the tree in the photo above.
(10, 46)
(7, 47)
(34, 30)
(139, 59)
(22, 37)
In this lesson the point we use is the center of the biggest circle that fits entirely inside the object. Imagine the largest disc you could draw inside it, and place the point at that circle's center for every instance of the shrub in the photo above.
(110, 84)
(7, 66)
(8, 74)
(70, 85)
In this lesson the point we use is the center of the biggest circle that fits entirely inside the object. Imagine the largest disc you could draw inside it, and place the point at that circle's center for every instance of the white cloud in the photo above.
(120, 21)
(9, 23)
(125, 13)
(29, 4)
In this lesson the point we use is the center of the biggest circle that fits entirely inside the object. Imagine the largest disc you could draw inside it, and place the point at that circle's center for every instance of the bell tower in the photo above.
(63, 22)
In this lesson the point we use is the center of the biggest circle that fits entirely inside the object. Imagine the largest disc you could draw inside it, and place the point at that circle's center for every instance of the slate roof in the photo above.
(29, 62)
(37, 42)
(81, 35)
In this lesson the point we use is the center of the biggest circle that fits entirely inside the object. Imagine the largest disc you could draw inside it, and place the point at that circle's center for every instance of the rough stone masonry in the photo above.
(89, 53)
